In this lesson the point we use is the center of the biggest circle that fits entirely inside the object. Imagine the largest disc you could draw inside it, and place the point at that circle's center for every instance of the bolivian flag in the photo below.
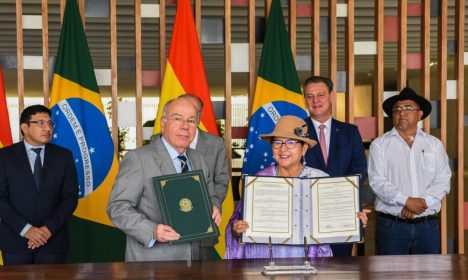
(185, 72)
(5, 131)
(82, 128)
(277, 92)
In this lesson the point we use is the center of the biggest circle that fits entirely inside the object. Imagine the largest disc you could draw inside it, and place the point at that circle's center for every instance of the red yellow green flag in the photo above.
(5, 131)
(185, 72)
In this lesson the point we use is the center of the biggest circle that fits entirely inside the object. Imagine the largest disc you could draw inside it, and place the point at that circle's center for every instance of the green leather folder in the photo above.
(185, 205)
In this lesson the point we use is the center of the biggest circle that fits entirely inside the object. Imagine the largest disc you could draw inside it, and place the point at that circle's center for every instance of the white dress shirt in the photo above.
(174, 156)
(326, 131)
(397, 172)
(193, 145)
(32, 154)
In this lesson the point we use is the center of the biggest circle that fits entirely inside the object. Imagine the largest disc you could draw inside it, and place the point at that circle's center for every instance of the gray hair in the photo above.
(168, 103)
(197, 98)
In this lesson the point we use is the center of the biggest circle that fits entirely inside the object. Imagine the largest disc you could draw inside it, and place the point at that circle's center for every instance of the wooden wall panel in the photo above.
(45, 51)
(349, 54)
(252, 74)
(426, 61)
(379, 66)
(19, 55)
(402, 44)
(81, 6)
(332, 46)
(138, 69)
(62, 9)
(442, 62)
(292, 25)
(114, 80)
(228, 80)
(162, 40)
(316, 38)
(460, 123)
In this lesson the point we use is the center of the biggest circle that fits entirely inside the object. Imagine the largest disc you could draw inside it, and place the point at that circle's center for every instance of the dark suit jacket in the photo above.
(21, 203)
(346, 152)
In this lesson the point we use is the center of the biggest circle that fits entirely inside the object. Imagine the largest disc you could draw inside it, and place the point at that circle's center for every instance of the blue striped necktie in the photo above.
(183, 163)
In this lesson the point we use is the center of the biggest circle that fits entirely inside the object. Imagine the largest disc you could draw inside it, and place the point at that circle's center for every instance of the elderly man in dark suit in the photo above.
(133, 206)
(339, 151)
(38, 193)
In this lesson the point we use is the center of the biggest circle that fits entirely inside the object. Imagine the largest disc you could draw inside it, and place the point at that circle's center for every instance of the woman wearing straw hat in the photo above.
(289, 143)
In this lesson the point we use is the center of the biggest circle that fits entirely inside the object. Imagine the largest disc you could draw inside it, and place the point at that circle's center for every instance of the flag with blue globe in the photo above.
(277, 92)
(82, 128)
(258, 153)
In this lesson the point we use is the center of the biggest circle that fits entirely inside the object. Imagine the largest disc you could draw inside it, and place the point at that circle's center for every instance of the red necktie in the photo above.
(323, 143)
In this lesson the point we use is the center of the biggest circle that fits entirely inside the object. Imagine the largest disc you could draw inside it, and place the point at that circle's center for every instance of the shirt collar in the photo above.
(172, 152)
(29, 146)
(419, 132)
(193, 145)
(317, 124)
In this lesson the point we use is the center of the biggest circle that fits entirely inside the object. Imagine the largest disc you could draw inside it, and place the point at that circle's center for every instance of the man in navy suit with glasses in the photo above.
(38, 193)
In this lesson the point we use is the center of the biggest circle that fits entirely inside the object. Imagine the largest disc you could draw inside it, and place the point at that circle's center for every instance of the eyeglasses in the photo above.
(290, 144)
(405, 109)
(43, 123)
(179, 121)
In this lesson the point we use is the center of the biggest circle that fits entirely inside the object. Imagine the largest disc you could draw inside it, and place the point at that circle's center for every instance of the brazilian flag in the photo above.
(277, 91)
(82, 128)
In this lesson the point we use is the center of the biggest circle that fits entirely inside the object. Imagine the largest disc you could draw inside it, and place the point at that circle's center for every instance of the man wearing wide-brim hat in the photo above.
(410, 175)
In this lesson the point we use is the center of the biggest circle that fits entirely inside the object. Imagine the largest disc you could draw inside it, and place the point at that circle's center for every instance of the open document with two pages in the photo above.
(289, 210)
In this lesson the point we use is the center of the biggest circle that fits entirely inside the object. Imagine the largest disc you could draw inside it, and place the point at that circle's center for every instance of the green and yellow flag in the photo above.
(277, 92)
(82, 128)
(5, 130)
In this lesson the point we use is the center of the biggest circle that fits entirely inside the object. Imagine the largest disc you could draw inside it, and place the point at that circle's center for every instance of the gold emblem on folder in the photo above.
(185, 205)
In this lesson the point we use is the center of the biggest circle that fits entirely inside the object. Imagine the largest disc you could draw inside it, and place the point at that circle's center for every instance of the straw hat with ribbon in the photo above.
(290, 127)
